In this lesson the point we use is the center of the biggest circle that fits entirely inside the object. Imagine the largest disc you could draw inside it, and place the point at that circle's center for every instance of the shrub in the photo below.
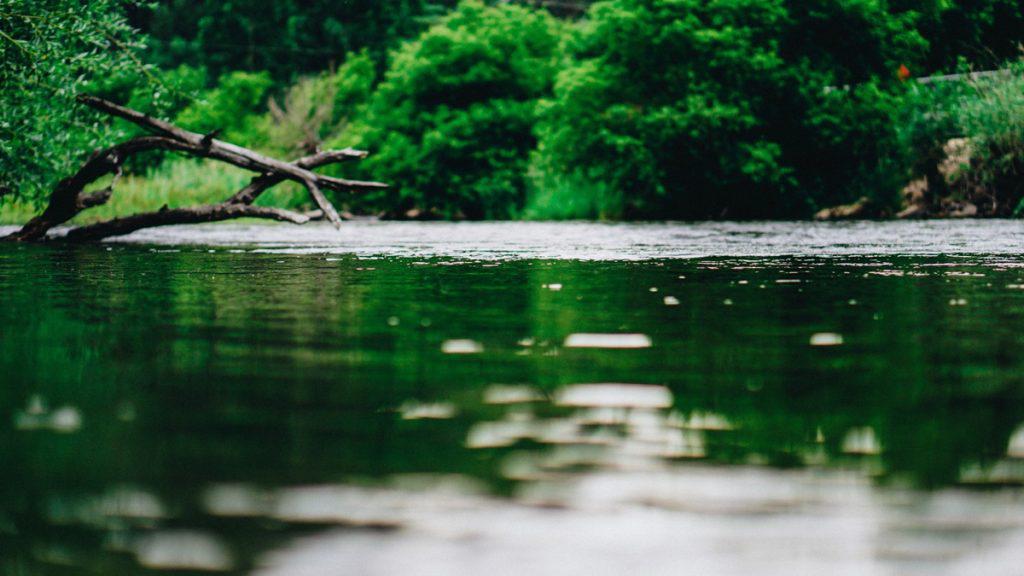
(988, 111)
(451, 126)
(720, 109)
(233, 107)
(51, 51)
(993, 121)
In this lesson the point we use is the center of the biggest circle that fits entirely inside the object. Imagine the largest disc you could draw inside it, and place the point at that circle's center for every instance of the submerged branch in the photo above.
(171, 216)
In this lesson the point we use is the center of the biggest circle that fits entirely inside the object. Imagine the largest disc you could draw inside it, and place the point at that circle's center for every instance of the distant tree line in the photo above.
(614, 109)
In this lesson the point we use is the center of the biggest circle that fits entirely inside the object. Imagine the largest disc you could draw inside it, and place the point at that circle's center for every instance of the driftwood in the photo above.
(69, 197)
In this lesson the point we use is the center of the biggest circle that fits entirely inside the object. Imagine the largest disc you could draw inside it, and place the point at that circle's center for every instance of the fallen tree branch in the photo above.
(68, 198)
(232, 154)
(260, 184)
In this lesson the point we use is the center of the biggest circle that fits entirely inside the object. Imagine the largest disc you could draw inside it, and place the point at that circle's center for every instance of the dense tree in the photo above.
(699, 110)
(984, 33)
(625, 108)
(51, 51)
(281, 37)
(451, 126)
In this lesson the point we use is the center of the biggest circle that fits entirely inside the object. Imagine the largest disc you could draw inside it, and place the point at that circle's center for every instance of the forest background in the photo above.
(618, 109)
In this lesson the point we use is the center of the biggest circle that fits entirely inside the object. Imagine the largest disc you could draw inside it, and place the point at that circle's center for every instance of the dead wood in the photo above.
(69, 198)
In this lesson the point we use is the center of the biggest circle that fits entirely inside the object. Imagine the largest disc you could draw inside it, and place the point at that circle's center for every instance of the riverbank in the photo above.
(497, 111)
(955, 187)
(13, 215)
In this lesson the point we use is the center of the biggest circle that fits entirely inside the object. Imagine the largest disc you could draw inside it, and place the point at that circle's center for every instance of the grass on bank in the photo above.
(572, 197)
(174, 184)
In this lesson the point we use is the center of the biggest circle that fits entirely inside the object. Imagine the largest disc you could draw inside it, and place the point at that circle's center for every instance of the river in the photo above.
(516, 398)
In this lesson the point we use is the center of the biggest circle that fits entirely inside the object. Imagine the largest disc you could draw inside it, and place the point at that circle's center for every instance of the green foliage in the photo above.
(845, 147)
(853, 41)
(232, 107)
(551, 197)
(989, 112)
(984, 32)
(641, 109)
(353, 84)
(178, 88)
(452, 124)
(318, 108)
(175, 182)
(282, 37)
(929, 115)
(698, 110)
(993, 119)
(51, 51)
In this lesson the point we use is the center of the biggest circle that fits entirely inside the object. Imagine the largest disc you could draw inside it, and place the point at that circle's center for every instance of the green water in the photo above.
(181, 369)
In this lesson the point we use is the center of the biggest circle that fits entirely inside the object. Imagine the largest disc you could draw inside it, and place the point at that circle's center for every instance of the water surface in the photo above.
(516, 399)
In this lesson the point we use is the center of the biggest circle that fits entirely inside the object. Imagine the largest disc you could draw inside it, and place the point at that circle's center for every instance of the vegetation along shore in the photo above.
(618, 109)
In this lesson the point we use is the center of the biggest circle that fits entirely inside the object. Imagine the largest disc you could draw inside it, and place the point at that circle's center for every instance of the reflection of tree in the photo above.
(903, 374)
(284, 369)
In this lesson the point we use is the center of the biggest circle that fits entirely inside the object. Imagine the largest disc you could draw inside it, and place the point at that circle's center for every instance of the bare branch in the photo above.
(329, 212)
(65, 203)
(69, 198)
(231, 153)
(260, 184)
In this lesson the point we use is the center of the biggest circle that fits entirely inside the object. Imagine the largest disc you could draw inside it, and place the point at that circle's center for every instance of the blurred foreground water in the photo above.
(516, 399)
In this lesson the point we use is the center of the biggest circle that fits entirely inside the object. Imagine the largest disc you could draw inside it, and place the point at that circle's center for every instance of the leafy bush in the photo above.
(845, 147)
(984, 32)
(641, 109)
(986, 110)
(175, 182)
(177, 88)
(556, 197)
(702, 110)
(233, 107)
(451, 126)
(993, 121)
(51, 51)
(929, 115)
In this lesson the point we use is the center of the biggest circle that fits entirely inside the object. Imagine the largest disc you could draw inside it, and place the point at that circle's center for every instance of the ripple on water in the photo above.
(605, 241)
(593, 472)
(461, 346)
(613, 507)
(615, 396)
(624, 341)
(184, 550)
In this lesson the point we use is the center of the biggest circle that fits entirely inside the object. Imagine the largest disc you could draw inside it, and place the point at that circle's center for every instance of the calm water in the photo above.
(516, 399)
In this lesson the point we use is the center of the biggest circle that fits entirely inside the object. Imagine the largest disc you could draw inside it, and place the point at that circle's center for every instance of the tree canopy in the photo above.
(453, 118)
(486, 109)
(51, 51)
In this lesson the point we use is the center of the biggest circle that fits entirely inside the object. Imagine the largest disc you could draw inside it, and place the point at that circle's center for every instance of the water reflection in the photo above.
(243, 412)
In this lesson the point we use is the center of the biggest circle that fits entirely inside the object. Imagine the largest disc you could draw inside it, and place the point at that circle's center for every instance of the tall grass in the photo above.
(988, 113)
(13, 211)
(993, 119)
(570, 197)
(174, 183)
